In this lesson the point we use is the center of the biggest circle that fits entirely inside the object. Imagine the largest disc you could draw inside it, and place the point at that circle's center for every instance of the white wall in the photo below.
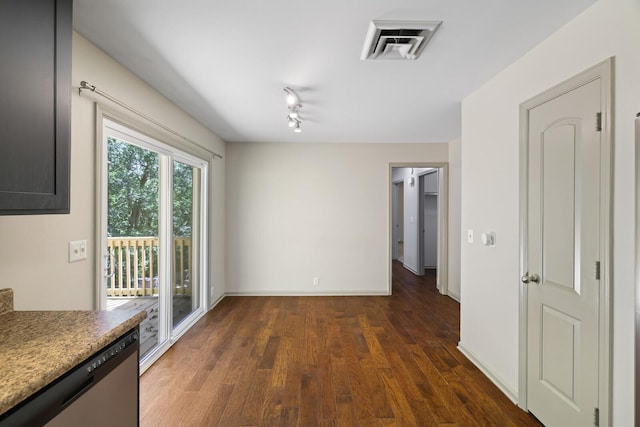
(298, 211)
(490, 174)
(455, 184)
(33, 249)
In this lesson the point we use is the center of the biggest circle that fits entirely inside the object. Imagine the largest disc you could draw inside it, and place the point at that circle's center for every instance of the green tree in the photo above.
(133, 190)
(182, 199)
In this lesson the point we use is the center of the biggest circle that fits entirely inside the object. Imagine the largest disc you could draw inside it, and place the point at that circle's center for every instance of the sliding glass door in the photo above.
(153, 212)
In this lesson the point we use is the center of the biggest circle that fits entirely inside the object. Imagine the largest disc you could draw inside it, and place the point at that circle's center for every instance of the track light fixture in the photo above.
(294, 105)
(292, 97)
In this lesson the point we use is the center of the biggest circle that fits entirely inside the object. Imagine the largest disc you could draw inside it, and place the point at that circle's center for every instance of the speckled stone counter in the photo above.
(6, 300)
(36, 347)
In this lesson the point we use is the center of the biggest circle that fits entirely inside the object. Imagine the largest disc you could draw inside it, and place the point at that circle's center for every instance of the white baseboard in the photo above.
(216, 302)
(304, 294)
(454, 296)
(511, 394)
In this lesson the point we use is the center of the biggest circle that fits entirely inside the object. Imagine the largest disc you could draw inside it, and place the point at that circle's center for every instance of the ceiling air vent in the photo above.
(397, 39)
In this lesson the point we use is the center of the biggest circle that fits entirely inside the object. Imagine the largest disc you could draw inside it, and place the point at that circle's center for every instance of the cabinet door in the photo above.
(35, 97)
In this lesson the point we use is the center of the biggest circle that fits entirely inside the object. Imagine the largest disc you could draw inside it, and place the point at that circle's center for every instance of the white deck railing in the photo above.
(133, 266)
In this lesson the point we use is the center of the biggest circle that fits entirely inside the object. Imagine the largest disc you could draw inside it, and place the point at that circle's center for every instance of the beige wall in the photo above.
(490, 192)
(33, 249)
(298, 211)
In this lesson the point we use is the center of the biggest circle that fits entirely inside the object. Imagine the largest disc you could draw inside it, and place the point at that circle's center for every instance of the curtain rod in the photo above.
(92, 88)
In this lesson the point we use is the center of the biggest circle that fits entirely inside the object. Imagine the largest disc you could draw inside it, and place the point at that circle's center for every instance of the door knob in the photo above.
(530, 278)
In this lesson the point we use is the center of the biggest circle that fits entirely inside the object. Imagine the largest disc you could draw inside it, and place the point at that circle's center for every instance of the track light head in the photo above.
(292, 98)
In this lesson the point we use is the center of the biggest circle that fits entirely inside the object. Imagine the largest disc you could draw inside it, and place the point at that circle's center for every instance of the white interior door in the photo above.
(563, 234)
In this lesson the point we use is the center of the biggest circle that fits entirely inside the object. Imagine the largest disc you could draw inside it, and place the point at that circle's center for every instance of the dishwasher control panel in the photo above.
(112, 351)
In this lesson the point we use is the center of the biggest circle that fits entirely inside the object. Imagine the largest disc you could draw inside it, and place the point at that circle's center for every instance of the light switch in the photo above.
(470, 236)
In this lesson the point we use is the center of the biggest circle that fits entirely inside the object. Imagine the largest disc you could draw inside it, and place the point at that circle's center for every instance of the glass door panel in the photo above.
(133, 262)
(185, 286)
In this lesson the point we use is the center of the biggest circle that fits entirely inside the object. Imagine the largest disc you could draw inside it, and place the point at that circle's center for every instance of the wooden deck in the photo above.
(149, 328)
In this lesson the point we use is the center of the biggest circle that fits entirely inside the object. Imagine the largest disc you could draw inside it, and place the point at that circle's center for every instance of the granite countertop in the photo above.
(36, 347)
(6, 300)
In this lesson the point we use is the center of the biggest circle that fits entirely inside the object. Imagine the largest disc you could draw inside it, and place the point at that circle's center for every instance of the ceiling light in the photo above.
(292, 98)
(293, 104)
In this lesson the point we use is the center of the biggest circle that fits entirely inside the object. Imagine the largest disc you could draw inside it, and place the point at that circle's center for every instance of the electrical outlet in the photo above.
(77, 250)
(316, 281)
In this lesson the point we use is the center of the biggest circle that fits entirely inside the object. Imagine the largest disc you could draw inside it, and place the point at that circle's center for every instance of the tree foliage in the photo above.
(133, 179)
(133, 190)
(182, 199)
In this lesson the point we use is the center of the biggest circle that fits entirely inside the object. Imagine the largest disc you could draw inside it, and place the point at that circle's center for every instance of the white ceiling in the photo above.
(226, 62)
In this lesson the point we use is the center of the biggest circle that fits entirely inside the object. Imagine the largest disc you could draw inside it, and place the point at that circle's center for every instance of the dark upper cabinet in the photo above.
(35, 106)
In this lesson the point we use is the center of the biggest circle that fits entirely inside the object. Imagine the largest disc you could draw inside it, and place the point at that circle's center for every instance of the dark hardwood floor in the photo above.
(326, 361)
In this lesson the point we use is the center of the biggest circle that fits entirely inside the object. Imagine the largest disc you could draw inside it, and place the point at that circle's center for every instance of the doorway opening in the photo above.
(419, 226)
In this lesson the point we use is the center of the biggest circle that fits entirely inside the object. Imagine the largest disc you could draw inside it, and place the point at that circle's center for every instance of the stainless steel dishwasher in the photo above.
(101, 391)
